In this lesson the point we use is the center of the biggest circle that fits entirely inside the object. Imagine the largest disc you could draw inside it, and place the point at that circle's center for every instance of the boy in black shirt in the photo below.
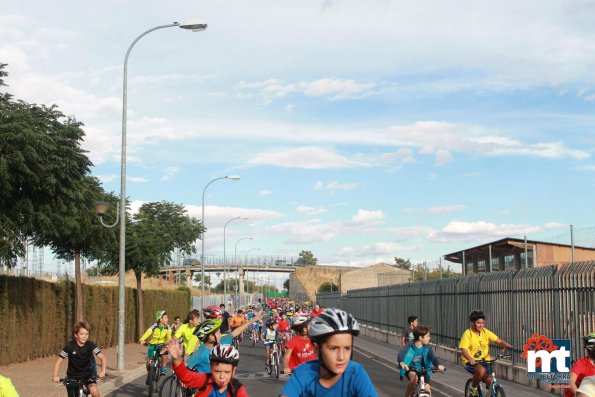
(80, 353)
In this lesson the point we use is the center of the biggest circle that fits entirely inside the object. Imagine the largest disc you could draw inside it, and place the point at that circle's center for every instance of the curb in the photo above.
(442, 387)
(121, 379)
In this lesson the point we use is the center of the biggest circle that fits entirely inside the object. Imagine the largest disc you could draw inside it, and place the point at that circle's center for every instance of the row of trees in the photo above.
(47, 197)
(423, 272)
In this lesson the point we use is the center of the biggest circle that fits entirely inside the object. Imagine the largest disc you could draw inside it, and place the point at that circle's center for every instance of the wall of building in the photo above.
(369, 277)
(554, 254)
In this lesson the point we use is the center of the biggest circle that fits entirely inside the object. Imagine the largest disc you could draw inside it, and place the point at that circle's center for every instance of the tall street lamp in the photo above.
(235, 259)
(225, 260)
(202, 238)
(195, 26)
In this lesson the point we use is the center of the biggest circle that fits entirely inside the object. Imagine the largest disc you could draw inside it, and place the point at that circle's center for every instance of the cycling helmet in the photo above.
(589, 341)
(333, 321)
(300, 320)
(476, 315)
(211, 312)
(225, 354)
(270, 322)
(159, 314)
(206, 328)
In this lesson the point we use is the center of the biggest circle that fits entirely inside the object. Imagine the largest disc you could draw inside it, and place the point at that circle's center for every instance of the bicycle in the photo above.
(253, 337)
(171, 387)
(420, 386)
(273, 365)
(154, 371)
(495, 390)
(76, 387)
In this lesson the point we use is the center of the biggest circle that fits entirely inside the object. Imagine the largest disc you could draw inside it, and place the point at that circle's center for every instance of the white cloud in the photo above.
(264, 193)
(480, 230)
(365, 216)
(319, 185)
(217, 216)
(311, 231)
(311, 211)
(306, 157)
(289, 108)
(170, 172)
(137, 179)
(333, 88)
(108, 178)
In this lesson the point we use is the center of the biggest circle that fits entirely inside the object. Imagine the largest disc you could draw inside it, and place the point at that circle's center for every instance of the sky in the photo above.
(361, 131)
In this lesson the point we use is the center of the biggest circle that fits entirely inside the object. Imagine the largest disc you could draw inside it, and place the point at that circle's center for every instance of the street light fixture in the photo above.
(194, 25)
(101, 208)
(202, 238)
(235, 259)
(225, 259)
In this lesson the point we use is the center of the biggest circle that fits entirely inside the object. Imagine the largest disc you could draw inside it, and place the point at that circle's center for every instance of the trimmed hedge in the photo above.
(36, 317)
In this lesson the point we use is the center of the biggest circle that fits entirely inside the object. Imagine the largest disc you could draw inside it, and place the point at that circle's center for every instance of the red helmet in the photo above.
(212, 312)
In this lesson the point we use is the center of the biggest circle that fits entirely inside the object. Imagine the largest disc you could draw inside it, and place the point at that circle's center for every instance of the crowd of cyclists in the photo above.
(317, 345)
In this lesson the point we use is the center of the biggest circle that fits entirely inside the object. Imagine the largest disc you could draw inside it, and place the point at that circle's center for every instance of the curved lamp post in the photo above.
(202, 238)
(225, 260)
(195, 26)
(235, 259)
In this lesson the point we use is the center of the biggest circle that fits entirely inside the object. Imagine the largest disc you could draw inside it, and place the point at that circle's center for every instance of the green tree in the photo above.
(328, 287)
(306, 258)
(154, 232)
(198, 279)
(286, 285)
(41, 168)
(80, 233)
(403, 263)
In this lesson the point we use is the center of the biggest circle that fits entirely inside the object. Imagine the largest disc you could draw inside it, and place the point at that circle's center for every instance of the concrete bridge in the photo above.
(195, 267)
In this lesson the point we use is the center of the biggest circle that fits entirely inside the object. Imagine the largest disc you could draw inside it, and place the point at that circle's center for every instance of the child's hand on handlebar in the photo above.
(404, 366)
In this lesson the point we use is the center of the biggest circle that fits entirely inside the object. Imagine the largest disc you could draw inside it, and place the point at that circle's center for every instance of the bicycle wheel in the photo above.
(151, 379)
(468, 388)
(499, 391)
(275, 364)
(170, 387)
(269, 365)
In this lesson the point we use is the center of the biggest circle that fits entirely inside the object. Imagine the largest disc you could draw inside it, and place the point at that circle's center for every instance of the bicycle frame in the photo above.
(420, 387)
(495, 385)
(79, 387)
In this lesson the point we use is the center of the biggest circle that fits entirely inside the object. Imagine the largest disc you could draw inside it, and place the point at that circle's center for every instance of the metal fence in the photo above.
(558, 302)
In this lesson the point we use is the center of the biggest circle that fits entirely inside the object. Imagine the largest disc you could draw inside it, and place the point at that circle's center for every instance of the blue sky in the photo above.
(361, 130)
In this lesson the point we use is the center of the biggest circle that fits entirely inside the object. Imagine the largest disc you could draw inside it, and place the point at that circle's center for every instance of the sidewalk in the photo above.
(452, 382)
(34, 378)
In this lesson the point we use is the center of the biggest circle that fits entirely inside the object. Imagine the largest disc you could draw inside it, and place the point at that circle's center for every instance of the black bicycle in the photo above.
(77, 387)
(154, 370)
(172, 387)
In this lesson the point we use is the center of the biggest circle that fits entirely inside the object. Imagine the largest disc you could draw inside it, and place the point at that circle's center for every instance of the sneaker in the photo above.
(163, 371)
(473, 391)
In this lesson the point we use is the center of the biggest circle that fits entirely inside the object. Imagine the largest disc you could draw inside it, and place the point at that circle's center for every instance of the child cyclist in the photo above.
(80, 352)
(186, 330)
(270, 335)
(209, 333)
(334, 374)
(159, 334)
(418, 355)
(299, 348)
(219, 381)
(584, 367)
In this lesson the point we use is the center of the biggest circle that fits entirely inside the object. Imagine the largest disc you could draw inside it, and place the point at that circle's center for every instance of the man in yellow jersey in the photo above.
(159, 334)
(474, 346)
(186, 330)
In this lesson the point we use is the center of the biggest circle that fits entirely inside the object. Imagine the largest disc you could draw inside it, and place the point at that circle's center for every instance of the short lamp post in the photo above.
(246, 260)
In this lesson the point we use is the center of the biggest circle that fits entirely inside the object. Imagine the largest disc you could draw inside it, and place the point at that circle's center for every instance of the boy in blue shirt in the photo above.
(418, 355)
(334, 374)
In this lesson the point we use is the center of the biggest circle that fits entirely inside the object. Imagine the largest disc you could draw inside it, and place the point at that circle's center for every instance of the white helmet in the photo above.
(333, 321)
(300, 320)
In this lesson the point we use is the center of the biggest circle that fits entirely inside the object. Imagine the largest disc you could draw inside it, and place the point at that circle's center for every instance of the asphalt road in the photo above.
(258, 382)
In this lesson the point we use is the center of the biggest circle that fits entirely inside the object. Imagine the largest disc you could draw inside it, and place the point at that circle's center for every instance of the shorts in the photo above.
(269, 343)
(426, 377)
(153, 351)
(471, 368)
